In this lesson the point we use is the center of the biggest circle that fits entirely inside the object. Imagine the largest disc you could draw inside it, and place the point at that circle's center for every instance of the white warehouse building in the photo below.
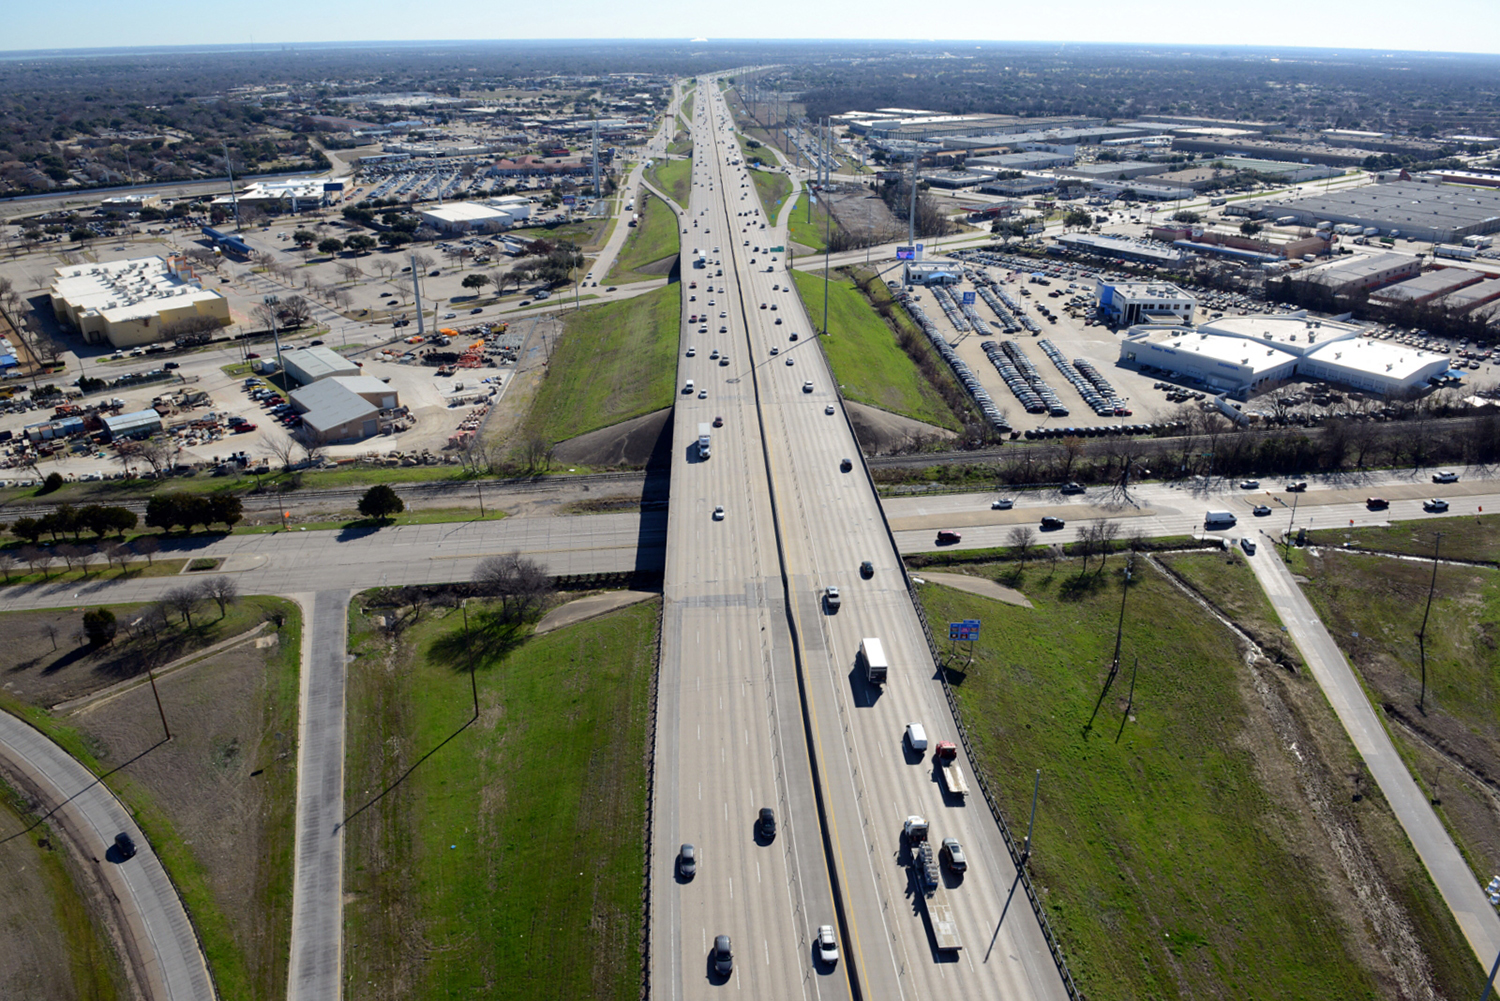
(484, 217)
(1242, 355)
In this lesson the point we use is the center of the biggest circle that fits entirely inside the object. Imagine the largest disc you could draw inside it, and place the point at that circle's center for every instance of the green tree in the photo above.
(1077, 219)
(54, 481)
(304, 238)
(360, 244)
(163, 511)
(476, 282)
(30, 529)
(381, 502)
(395, 238)
(330, 246)
(226, 508)
(100, 626)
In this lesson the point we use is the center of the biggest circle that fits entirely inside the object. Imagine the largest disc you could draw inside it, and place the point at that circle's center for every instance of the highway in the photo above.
(745, 630)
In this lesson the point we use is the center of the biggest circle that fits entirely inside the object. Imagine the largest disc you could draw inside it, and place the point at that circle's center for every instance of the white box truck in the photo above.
(873, 654)
(705, 431)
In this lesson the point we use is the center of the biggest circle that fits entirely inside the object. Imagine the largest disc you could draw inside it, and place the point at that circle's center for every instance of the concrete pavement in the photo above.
(1451, 874)
(313, 973)
(161, 943)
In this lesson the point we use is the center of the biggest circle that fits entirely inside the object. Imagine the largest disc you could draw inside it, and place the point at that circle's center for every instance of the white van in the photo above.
(687, 387)
(1219, 519)
(916, 737)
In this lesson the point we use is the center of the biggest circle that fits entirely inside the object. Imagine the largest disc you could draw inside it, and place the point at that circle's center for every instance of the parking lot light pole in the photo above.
(271, 302)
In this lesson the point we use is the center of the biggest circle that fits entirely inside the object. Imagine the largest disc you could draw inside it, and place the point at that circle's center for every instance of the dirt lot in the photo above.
(217, 800)
(54, 948)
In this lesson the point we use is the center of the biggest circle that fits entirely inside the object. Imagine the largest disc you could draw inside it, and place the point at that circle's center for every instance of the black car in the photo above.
(723, 956)
(687, 861)
(867, 569)
(767, 823)
(314, 344)
(126, 845)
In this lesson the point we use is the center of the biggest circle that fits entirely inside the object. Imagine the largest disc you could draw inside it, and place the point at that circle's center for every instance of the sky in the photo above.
(1456, 25)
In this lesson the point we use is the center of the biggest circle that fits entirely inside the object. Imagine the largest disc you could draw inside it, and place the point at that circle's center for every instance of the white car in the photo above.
(719, 513)
(1003, 504)
(828, 946)
(829, 410)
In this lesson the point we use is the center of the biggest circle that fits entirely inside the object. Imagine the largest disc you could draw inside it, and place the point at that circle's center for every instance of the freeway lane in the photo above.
(729, 737)
(828, 521)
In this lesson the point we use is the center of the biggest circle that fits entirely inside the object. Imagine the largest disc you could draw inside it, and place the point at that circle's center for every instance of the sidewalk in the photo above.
(1460, 889)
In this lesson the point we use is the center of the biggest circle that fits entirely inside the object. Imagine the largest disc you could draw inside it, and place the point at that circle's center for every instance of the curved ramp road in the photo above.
(163, 946)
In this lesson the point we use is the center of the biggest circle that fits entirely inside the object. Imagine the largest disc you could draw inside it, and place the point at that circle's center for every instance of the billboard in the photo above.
(905, 254)
(968, 298)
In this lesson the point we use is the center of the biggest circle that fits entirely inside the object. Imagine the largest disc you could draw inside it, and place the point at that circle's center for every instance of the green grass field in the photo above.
(653, 240)
(59, 574)
(1467, 537)
(866, 360)
(587, 233)
(500, 858)
(420, 516)
(1226, 581)
(675, 177)
(809, 233)
(614, 362)
(1175, 849)
(772, 188)
(687, 108)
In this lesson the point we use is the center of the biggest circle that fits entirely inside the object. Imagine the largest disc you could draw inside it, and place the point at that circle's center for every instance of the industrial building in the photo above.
(295, 195)
(1128, 303)
(128, 303)
(1422, 209)
(343, 408)
(1363, 271)
(1123, 171)
(1471, 296)
(1242, 355)
(127, 204)
(955, 178)
(1120, 248)
(138, 424)
(1425, 288)
(464, 217)
(310, 365)
(1015, 187)
(1034, 160)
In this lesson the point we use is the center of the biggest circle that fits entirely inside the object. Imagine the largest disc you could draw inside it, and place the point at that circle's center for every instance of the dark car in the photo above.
(687, 861)
(170, 365)
(314, 344)
(251, 354)
(867, 569)
(1051, 523)
(846, 465)
(126, 845)
(723, 956)
(1377, 503)
(766, 825)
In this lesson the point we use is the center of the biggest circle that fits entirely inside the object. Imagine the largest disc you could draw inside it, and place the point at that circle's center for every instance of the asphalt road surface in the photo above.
(161, 941)
(746, 630)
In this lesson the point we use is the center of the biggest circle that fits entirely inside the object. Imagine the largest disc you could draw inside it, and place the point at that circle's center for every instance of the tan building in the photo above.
(128, 303)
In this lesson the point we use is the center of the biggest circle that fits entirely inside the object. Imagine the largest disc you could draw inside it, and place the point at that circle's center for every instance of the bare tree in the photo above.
(422, 261)
(262, 258)
(384, 266)
(266, 316)
(50, 630)
(156, 452)
(153, 619)
(223, 590)
(36, 559)
(341, 298)
(147, 546)
(87, 555)
(350, 272)
(281, 447)
(184, 601)
(1104, 531)
(311, 442)
(118, 552)
(69, 553)
(522, 585)
(8, 560)
(1021, 539)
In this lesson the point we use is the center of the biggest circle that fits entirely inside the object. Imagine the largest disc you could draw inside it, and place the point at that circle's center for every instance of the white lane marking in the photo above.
(731, 887)
(757, 872)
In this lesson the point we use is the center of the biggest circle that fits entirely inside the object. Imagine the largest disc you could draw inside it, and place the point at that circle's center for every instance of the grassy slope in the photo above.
(1154, 852)
(654, 238)
(1467, 537)
(614, 362)
(246, 948)
(772, 189)
(809, 233)
(866, 360)
(675, 177)
(508, 864)
(1228, 584)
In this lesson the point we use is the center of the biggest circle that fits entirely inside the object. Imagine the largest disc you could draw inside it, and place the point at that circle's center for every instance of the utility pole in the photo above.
(161, 712)
(1422, 633)
(1026, 844)
(234, 198)
(271, 301)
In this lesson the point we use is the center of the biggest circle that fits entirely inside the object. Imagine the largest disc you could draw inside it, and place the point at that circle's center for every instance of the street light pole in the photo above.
(271, 302)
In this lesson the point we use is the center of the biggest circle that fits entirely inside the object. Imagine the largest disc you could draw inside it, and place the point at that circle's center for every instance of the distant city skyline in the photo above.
(1461, 26)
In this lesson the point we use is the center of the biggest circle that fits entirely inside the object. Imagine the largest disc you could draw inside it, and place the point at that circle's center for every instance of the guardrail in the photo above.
(1053, 945)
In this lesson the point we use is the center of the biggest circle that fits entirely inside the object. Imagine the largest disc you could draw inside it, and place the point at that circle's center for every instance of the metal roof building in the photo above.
(309, 365)
(136, 424)
(1471, 296)
(1425, 210)
(1425, 287)
(1125, 250)
(343, 409)
(1362, 271)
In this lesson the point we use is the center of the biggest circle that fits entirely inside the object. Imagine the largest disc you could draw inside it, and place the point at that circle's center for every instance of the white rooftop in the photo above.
(465, 212)
(121, 291)
(1234, 350)
(1294, 333)
(1384, 358)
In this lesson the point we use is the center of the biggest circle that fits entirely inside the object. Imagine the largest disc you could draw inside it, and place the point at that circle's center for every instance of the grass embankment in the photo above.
(1373, 607)
(810, 232)
(675, 177)
(1179, 851)
(1226, 582)
(653, 242)
(588, 233)
(868, 363)
(687, 108)
(500, 857)
(217, 802)
(1467, 537)
(613, 362)
(99, 573)
(53, 941)
(771, 187)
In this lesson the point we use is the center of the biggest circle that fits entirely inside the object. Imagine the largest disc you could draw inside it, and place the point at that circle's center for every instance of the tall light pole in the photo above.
(271, 302)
